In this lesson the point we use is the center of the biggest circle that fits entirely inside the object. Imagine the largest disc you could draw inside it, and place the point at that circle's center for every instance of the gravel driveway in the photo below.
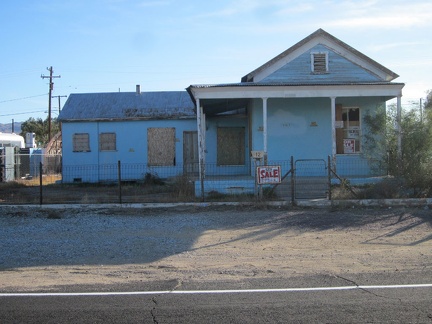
(45, 248)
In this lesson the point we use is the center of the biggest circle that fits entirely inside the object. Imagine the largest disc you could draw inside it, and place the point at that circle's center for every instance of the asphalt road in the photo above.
(319, 299)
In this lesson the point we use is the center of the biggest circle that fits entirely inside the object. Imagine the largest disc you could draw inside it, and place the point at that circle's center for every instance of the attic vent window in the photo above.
(319, 62)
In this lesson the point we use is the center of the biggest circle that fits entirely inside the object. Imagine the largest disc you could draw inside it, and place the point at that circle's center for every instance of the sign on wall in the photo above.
(257, 154)
(269, 174)
(349, 145)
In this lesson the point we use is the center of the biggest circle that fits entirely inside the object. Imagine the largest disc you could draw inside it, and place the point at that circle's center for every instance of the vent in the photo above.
(319, 63)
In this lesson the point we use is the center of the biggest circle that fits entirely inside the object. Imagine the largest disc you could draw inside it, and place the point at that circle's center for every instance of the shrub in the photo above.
(183, 187)
(152, 179)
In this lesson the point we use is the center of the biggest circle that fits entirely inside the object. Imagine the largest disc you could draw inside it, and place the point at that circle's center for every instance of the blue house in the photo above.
(145, 131)
(308, 102)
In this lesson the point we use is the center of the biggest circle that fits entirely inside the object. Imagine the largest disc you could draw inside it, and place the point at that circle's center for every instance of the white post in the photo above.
(399, 128)
(201, 145)
(203, 131)
(265, 129)
(333, 126)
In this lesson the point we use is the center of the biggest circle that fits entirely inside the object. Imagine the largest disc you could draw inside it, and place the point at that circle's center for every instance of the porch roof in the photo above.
(217, 98)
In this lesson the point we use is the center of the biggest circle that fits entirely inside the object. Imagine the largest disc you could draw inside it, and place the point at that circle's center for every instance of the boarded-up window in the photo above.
(107, 142)
(81, 142)
(161, 146)
(319, 63)
(230, 146)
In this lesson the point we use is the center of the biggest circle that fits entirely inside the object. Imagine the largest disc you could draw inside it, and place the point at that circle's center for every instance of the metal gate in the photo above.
(311, 179)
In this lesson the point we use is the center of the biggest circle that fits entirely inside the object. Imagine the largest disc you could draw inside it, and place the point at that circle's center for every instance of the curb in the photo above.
(311, 203)
(411, 202)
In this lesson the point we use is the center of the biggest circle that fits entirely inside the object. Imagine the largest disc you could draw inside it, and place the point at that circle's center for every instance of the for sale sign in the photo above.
(269, 174)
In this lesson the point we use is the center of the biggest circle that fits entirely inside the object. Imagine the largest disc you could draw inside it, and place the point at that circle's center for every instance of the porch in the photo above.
(297, 187)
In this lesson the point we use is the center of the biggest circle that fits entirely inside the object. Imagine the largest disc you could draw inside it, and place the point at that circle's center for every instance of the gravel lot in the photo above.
(49, 248)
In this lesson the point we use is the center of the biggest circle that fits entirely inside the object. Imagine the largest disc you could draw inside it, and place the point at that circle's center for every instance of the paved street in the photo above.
(334, 300)
(216, 265)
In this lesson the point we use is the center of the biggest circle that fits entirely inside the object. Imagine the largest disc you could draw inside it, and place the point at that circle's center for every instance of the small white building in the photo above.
(11, 140)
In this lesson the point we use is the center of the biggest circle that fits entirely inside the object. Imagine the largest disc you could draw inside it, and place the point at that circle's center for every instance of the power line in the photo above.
(23, 98)
(59, 107)
(23, 113)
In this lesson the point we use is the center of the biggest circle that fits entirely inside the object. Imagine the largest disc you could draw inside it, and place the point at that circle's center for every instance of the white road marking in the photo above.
(227, 291)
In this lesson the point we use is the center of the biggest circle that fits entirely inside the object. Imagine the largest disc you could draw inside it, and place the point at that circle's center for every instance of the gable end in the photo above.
(320, 37)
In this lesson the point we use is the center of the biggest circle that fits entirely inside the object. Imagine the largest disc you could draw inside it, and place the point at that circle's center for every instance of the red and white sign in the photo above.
(269, 174)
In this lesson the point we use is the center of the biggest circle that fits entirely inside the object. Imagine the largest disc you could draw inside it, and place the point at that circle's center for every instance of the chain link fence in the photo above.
(43, 179)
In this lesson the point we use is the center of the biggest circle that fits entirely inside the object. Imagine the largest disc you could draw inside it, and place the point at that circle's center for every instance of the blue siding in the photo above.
(290, 132)
(131, 137)
(301, 127)
(230, 186)
(340, 70)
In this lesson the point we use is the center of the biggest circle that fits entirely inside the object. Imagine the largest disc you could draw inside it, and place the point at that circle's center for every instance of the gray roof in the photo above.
(128, 106)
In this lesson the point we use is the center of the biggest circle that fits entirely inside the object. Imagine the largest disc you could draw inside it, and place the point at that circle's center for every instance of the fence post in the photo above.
(329, 178)
(119, 181)
(40, 184)
(292, 182)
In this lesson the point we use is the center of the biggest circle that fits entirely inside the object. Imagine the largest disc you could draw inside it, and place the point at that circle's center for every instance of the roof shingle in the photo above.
(128, 105)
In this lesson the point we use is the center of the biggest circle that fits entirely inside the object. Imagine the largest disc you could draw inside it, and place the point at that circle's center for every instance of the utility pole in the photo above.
(59, 100)
(51, 87)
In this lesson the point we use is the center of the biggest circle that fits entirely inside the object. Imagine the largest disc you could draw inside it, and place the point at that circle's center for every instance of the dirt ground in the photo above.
(44, 249)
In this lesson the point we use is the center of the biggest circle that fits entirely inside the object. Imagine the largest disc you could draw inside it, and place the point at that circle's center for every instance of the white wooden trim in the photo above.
(399, 127)
(333, 125)
(303, 91)
(265, 126)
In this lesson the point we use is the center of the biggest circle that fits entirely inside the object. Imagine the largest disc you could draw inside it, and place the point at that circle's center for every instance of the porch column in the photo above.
(333, 127)
(399, 128)
(201, 144)
(265, 129)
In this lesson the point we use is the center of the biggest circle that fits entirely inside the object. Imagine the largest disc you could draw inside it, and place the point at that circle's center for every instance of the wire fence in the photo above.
(43, 179)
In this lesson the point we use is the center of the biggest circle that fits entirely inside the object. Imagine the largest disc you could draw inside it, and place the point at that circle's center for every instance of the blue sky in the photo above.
(107, 45)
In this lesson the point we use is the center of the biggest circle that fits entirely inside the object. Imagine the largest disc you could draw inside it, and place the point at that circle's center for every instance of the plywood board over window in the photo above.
(107, 142)
(81, 142)
(230, 146)
(161, 146)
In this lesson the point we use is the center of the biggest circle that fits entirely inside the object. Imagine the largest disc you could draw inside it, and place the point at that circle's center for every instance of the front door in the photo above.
(190, 152)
